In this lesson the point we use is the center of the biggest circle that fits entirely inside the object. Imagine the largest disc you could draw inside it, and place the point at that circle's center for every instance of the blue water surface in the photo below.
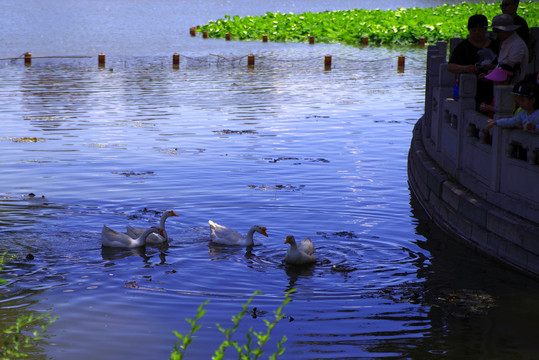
(286, 143)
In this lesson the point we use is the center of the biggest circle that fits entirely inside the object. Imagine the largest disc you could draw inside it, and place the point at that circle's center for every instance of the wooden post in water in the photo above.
(193, 30)
(365, 41)
(421, 42)
(101, 60)
(264, 38)
(27, 59)
(250, 60)
(175, 61)
(204, 34)
(228, 37)
(311, 39)
(327, 62)
(400, 63)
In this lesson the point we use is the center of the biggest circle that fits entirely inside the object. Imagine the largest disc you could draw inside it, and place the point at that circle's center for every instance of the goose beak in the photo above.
(263, 232)
(174, 213)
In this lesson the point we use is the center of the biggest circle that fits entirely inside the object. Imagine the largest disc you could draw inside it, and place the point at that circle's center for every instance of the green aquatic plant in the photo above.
(255, 340)
(17, 338)
(400, 26)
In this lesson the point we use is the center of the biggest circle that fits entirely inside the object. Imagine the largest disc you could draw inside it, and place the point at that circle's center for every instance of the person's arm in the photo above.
(490, 124)
(515, 121)
(533, 121)
(461, 69)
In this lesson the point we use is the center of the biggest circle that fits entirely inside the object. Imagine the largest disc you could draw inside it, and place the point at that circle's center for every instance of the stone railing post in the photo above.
(504, 107)
(447, 80)
(432, 51)
(442, 49)
(504, 101)
(453, 42)
(444, 91)
(467, 91)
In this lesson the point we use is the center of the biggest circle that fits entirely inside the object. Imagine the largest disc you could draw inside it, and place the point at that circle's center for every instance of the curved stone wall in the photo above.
(482, 188)
(491, 229)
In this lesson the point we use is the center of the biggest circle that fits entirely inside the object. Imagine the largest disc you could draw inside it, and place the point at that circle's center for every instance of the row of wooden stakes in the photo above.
(101, 59)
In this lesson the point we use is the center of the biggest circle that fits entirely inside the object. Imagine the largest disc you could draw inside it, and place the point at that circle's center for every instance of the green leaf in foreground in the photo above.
(255, 340)
(16, 339)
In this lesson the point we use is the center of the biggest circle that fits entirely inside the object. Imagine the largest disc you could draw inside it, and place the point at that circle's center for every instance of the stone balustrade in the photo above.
(483, 187)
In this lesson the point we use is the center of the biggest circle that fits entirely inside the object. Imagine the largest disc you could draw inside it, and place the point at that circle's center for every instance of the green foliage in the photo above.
(185, 340)
(255, 340)
(17, 338)
(401, 26)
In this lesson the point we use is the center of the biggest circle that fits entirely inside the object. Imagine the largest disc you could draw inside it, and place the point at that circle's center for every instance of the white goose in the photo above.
(113, 238)
(299, 254)
(223, 235)
(153, 238)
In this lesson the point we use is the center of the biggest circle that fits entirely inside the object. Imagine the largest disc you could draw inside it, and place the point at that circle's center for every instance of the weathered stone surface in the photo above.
(494, 212)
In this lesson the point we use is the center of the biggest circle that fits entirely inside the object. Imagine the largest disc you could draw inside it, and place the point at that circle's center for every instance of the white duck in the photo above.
(223, 235)
(153, 238)
(113, 238)
(299, 254)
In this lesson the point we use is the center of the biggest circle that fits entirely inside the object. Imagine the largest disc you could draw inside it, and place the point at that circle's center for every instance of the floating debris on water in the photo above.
(343, 268)
(314, 160)
(24, 139)
(341, 234)
(132, 173)
(317, 117)
(45, 118)
(276, 187)
(144, 211)
(177, 151)
(97, 145)
(257, 313)
(239, 132)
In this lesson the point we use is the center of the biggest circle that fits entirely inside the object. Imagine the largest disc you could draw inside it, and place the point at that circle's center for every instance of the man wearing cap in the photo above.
(513, 50)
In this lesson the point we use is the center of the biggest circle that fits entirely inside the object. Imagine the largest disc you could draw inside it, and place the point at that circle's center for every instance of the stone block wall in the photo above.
(483, 189)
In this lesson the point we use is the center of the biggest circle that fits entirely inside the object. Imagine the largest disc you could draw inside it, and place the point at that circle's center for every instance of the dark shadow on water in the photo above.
(145, 252)
(223, 251)
(477, 308)
(110, 253)
(295, 272)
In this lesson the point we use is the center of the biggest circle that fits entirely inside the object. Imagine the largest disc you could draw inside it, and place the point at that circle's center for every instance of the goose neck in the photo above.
(249, 236)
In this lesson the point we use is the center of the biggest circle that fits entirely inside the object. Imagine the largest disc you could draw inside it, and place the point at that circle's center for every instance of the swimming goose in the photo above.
(153, 238)
(113, 238)
(223, 235)
(302, 253)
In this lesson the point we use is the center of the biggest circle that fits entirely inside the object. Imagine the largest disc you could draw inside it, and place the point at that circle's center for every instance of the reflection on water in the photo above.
(287, 145)
(469, 294)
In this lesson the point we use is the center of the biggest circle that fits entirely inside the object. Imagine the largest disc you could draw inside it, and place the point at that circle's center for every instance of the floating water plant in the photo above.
(24, 139)
(401, 26)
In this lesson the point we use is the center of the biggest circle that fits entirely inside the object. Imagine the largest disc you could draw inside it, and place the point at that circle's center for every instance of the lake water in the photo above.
(285, 144)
